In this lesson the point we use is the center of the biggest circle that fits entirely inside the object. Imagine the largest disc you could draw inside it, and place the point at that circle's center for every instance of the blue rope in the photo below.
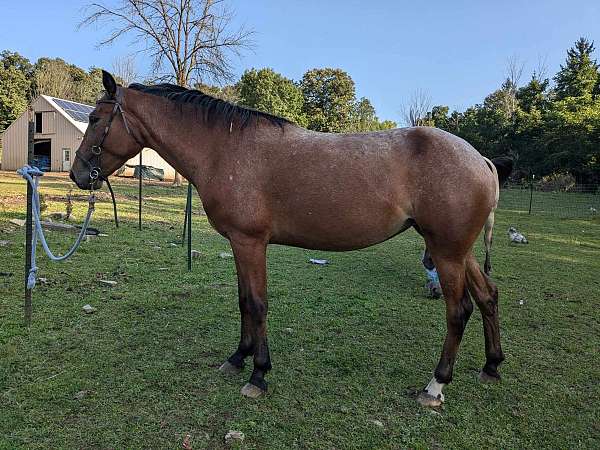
(32, 174)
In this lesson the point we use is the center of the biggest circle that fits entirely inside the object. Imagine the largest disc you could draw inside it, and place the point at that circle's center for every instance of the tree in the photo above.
(387, 125)
(365, 118)
(13, 95)
(57, 78)
(268, 91)
(124, 70)
(579, 75)
(52, 77)
(15, 86)
(438, 117)
(329, 100)
(514, 72)
(229, 92)
(414, 111)
(534, 95)
(189, 41)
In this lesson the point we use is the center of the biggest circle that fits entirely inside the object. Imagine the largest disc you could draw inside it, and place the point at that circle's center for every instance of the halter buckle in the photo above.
(96, 149)
(94, 174)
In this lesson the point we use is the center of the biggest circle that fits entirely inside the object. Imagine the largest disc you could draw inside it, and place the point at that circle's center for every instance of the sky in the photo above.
(456, 51)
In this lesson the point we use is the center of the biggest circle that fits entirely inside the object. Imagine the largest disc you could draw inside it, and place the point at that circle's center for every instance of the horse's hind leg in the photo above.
(458, 311)
(487, 241)
(485, 293)
(250, 261)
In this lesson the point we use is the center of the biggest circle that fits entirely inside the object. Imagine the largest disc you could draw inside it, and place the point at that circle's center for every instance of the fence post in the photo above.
(531, 191)
(140, 193)
(189, 226)
(28, 306)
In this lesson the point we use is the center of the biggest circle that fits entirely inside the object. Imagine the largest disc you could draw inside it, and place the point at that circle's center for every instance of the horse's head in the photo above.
(108, 141)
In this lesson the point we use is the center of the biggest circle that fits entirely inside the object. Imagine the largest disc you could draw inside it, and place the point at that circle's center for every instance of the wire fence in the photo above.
(580, 201)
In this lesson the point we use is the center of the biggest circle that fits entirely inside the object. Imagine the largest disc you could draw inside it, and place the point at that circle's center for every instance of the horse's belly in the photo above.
(343, 230)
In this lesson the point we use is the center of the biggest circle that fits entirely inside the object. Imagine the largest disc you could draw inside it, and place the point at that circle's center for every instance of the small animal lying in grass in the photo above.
(516, 237)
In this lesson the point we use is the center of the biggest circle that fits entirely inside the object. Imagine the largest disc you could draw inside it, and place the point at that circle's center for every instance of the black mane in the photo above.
(213, 110)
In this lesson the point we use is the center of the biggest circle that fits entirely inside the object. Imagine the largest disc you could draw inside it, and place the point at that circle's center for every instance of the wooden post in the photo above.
(140, 193)
(28, 306)
(189, 226)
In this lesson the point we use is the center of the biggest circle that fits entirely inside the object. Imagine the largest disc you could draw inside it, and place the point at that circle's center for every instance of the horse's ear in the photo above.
(109, 83)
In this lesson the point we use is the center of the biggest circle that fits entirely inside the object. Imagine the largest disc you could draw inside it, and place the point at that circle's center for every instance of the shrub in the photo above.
(563, 182)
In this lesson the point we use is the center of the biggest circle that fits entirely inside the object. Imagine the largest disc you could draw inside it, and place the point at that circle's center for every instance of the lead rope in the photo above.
(32, 174)
(114, 202)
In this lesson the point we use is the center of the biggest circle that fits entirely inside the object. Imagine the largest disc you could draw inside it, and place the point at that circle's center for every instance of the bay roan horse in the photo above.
(264, 180)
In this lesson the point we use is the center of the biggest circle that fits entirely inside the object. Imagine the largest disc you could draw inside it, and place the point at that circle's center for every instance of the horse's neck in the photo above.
(187, 145)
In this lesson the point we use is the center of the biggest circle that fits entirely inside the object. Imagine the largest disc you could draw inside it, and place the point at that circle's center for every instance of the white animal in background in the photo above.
(593, 210)
(516, 237)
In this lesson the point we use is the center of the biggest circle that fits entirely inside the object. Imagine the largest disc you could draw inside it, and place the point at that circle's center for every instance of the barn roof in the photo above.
(76, 113)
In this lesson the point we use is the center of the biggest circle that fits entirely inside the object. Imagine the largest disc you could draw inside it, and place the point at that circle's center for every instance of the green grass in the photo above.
(364, 340)
(557, 204)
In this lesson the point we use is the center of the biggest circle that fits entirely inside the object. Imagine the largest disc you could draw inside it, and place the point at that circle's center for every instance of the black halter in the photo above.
(96, 166)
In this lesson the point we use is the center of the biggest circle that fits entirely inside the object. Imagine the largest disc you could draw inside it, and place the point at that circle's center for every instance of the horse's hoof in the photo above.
(429, 400)
(251, 391)
(229, 369)
(485, 377)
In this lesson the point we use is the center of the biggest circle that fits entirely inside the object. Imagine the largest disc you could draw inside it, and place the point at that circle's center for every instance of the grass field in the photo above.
(351, 342)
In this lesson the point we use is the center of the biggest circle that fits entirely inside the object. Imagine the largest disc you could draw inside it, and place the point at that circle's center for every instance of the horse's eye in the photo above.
(94, 119)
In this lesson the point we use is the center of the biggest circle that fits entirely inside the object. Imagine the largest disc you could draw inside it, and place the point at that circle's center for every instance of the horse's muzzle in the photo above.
(87, 183)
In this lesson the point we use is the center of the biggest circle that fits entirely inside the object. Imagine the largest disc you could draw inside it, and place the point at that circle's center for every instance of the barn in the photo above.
(59, 128)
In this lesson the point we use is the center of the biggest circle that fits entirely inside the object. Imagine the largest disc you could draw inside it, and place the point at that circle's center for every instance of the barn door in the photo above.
(48, 122)
(66, 159)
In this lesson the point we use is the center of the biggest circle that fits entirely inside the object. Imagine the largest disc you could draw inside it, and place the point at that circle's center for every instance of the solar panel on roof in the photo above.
(76, 111)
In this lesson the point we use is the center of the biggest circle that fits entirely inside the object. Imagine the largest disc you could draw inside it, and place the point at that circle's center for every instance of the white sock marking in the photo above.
(435, 389)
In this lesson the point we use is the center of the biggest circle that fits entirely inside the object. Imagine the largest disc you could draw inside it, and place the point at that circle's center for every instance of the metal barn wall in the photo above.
(14, 141)
(14, 144)
(151, 158)
(66, 136)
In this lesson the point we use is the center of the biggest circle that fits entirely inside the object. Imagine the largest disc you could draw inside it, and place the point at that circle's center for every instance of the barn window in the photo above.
(38, 122)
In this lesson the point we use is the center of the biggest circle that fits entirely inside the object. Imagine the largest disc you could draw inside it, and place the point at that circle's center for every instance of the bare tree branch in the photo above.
(542, 68)
(514, 70)
(189, 41)
(414, 111)
(124, 68)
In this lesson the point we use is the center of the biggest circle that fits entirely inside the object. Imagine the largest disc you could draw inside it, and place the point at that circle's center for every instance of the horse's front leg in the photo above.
(250, 261)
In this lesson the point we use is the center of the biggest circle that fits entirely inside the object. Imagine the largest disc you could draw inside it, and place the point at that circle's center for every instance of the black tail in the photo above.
(504, 167)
